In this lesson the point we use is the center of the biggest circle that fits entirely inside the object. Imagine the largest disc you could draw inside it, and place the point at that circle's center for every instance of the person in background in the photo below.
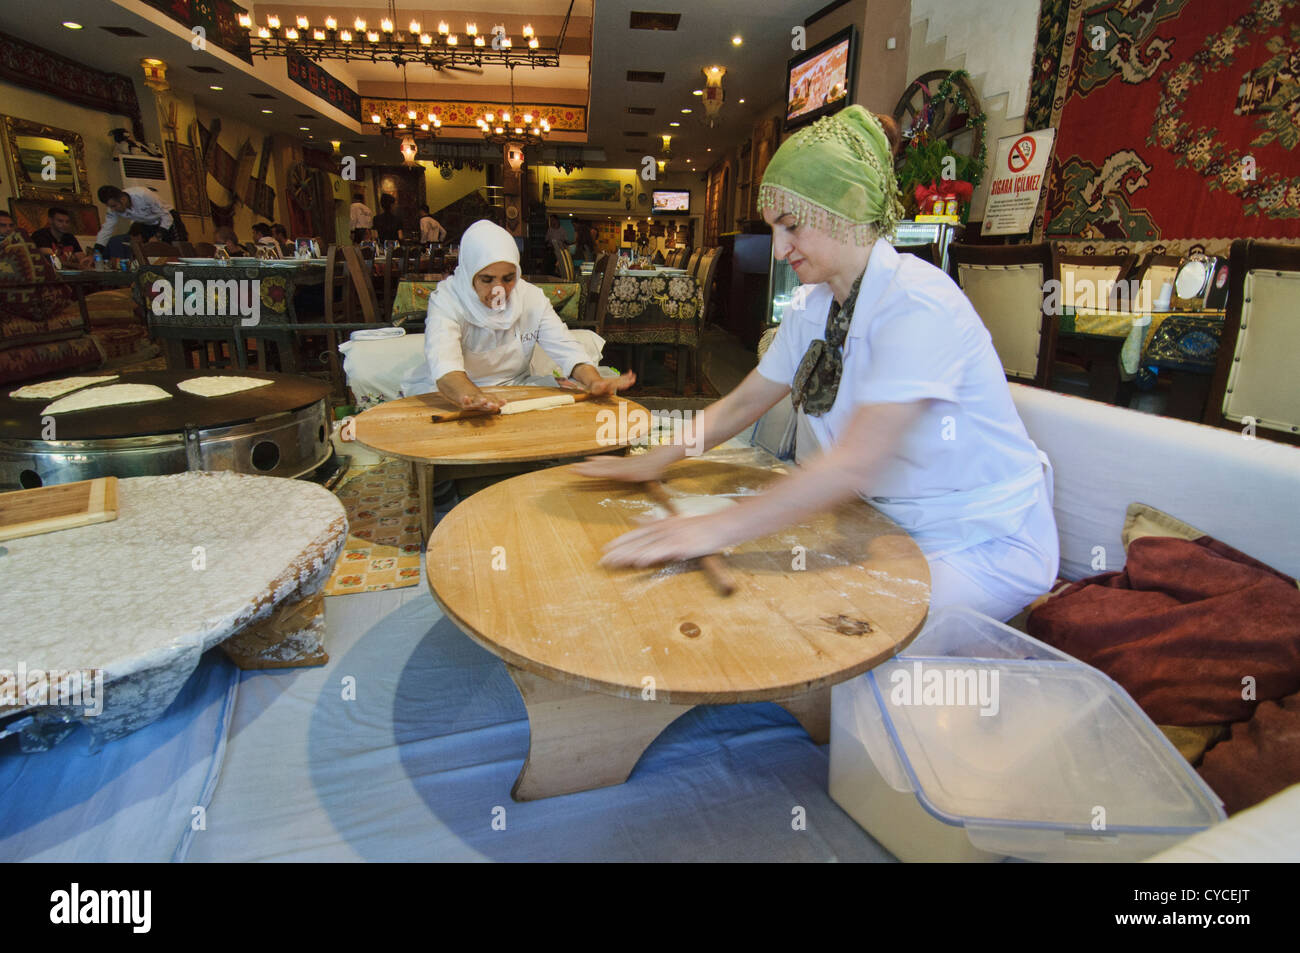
(56, 238)
(585, 240)
(430, 230)
(7, 228)
(262, 235)
(554, 233)
(140, 205)
(281, 236)
(360, 218)
(388, 227)
(225, 238)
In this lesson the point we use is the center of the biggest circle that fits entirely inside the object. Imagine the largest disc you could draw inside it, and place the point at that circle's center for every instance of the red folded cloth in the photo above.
(1261, 757)
(1197, 632)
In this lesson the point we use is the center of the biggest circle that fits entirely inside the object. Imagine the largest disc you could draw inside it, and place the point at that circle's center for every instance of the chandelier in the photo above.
(388, 42)
(408, 123)
(510, 126)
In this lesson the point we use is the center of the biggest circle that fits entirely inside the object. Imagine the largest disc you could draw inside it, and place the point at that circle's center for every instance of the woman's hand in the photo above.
(675, 538)
(609, 386)
(481, 402)
(633, 469)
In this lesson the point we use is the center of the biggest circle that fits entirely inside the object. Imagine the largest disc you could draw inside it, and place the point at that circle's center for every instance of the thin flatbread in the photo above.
(220, 385)
(537, 403)
(49, 390)
(113, 395)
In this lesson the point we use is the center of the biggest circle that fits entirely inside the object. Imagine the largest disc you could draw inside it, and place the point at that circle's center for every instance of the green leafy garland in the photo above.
(922, 160)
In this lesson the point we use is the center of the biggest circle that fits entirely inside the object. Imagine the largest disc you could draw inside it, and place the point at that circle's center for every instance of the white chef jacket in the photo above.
(360, 216)
(145, 207)
(967, 471)
(491, 357)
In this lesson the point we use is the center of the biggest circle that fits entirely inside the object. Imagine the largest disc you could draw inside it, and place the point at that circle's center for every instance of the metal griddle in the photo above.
(21, 419)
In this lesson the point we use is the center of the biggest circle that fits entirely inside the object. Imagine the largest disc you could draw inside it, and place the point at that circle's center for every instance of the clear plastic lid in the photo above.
(990, 727)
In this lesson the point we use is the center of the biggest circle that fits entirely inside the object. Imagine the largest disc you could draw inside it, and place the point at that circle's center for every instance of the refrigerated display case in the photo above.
(782, 280)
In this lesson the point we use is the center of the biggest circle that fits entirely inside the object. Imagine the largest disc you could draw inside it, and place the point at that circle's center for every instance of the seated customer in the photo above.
(262, 236)
(8, 230)
(225, 238)
(56, 238)
(281, 236)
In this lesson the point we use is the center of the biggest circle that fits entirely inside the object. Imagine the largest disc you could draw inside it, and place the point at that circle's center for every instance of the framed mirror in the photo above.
(45, 162)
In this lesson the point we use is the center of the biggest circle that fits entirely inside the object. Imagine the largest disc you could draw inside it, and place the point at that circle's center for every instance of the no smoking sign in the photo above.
(1022, 153)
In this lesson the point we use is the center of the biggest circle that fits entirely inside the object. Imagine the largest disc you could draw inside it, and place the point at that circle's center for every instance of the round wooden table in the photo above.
(192, 560)
(480, 446)
(606, 658)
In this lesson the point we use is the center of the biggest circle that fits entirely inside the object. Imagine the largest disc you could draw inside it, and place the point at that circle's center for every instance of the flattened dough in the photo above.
(48, 390)
(111, 396)
(537, 403)
(693, 506)
(221, 385)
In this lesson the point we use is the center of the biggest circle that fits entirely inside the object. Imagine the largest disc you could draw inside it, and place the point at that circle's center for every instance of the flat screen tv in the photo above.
(670, 202)
(820, 81)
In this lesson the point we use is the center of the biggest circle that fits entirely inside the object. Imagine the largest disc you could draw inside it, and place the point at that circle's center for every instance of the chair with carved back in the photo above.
(1255, 388)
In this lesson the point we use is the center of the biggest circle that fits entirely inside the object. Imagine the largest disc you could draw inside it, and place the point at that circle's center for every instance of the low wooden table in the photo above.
(192, 560)
(481, 446)
(605, 658)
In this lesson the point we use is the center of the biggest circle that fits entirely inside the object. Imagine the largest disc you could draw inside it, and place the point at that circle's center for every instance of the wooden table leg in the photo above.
(813, 711)
(424, 489)
(582, 740)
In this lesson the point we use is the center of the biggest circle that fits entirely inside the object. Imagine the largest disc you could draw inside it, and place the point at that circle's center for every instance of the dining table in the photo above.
(1183, 345)
(412, 296)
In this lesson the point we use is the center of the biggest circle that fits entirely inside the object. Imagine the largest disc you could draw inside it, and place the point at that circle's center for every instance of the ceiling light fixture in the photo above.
(737, 40)
(71, 26)
(509, 127)
(217, 88)
(390, 43)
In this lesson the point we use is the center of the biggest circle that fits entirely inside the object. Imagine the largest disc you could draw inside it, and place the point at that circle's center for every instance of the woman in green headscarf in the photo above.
(893, 373)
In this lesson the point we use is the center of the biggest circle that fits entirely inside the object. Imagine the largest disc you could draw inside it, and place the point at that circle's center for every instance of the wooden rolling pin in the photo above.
(443, 416)
(712, 564)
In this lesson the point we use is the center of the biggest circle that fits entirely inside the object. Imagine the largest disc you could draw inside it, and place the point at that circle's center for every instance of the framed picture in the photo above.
(586, 190)
(33, 214)
(45, 162)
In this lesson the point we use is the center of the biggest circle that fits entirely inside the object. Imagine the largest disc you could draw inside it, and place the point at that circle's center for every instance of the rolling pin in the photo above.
(443, 416)
(712, 564)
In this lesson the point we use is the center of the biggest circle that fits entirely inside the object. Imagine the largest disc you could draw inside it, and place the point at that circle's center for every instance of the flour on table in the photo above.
(221, 385)
(110, 396)
(48, 390)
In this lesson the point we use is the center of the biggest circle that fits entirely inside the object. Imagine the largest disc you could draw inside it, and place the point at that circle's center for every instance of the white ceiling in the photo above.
(755, 70)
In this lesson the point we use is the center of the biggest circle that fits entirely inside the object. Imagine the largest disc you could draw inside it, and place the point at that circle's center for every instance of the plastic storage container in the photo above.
(980, 743)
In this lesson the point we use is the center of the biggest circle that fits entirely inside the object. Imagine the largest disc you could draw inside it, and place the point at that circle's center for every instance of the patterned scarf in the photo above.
(817, 381)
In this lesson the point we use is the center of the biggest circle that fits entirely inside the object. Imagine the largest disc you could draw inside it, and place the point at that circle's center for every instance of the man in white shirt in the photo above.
(361, 219)
(138, 204)
(430, 230)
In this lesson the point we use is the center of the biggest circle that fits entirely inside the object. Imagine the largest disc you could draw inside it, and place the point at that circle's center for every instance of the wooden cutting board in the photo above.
(50, 508)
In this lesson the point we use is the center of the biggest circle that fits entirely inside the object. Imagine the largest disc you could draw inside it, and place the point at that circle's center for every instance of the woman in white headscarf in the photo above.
(484, 322)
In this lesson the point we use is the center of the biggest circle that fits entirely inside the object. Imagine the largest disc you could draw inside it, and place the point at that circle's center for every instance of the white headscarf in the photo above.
(482, 244)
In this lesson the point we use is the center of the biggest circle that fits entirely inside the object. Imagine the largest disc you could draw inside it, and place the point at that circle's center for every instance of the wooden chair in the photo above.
(1007, 285)
(160, 250)
(1090, 281)
(363, 285)
(693, 262)
(186, 249)
(1254, 377)
(607, 268)
(708, 269)
(563, 262)
(204, 250)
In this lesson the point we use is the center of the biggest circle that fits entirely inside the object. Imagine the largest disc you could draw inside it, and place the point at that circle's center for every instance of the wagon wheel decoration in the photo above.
(302, 187)
(942, 105)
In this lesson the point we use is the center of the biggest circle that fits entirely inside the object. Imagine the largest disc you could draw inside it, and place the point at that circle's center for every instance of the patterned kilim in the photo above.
(1178, 124)
(383, 546)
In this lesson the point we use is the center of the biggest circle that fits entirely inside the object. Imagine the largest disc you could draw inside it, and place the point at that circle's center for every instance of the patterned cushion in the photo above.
(33, 302)
(41, 360)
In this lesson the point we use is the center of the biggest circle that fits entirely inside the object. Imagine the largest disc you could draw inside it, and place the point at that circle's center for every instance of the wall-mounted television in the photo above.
(670, 201)
(820, 81)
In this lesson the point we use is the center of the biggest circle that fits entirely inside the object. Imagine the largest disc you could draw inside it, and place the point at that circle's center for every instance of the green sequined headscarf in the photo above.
(837, 175)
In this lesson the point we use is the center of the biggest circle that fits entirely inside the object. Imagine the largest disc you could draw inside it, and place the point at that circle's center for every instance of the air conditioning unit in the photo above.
(150, 173)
